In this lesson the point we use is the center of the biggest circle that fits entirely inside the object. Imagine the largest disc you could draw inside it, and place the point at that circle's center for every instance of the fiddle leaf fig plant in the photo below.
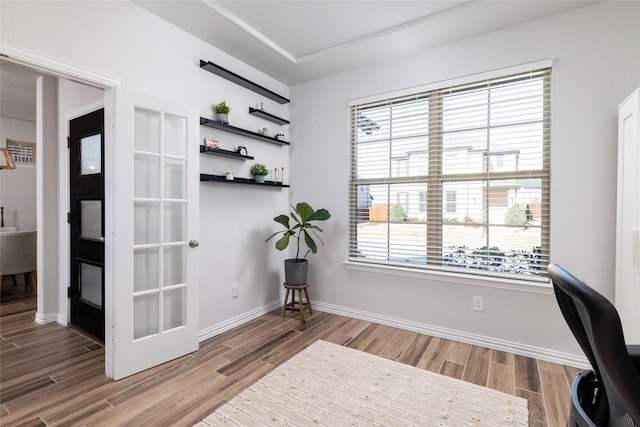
(302, 227)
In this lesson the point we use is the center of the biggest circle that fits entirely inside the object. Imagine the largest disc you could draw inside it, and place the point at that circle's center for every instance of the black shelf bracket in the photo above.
(224, 153)
(239, 131)
(239, 80)
(221, 178)
(263, 114)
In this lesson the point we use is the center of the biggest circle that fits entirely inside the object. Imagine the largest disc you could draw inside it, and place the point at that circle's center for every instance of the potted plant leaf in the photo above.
(302, 230)
(222, 112)
(259, 172)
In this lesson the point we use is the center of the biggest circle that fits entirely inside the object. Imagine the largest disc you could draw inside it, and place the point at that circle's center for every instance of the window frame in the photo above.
(434, 181)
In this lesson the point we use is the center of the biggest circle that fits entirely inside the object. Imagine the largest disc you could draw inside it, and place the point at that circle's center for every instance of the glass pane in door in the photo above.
(174, 308)
(91, 219)
(146, 221)
(91, 284)
(146, 312)
(174, 265)
(146, 267)
(90, 155)
(147, 125)
(146, 176)
(174, 222)
(175, 179)
(175, 135)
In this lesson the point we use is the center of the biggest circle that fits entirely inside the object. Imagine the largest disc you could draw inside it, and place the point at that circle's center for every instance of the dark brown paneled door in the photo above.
(86, 161)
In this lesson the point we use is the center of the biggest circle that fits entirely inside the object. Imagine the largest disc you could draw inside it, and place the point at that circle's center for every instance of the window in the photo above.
(457, 178)
(451, 201)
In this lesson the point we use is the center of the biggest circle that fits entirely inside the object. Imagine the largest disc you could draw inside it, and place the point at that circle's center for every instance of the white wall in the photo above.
(122, 41)
(18, 186)
(46, 196)
(596, 52)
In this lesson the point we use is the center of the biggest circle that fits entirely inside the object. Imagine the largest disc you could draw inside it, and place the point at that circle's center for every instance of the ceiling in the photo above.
(17, 91)
(302, 40)
(297, 41)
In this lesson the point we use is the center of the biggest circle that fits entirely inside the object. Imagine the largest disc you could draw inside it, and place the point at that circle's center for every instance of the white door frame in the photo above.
(56, 68)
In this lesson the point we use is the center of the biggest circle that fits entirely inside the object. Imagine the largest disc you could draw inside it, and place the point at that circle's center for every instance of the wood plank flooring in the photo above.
(53, 376)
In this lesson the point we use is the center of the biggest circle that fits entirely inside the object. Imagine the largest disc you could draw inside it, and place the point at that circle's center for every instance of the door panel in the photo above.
(86, 187)
(628, 219)
(155, 215)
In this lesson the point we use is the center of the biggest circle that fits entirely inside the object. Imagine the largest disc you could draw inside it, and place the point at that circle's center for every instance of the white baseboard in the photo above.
(494, 343)
(214, 330)
(46, 318)
(452, 334)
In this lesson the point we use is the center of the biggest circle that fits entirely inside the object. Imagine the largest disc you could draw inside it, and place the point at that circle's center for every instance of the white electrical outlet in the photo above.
(234, 290)
(478, 303)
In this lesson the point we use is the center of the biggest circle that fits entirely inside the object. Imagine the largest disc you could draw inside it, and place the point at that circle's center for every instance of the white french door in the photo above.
(154, 220)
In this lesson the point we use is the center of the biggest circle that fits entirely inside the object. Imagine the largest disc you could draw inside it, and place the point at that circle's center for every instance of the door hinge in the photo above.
(69, 292)
(68, 217)
(68, 142)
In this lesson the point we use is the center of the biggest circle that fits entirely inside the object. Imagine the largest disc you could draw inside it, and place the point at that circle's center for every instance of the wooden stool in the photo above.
(299, 304)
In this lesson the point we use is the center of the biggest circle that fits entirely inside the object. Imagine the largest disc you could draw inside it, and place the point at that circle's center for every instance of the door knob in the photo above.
(194, 243)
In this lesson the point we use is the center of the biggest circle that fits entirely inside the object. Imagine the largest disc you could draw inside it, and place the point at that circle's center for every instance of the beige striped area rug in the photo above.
(330, 385)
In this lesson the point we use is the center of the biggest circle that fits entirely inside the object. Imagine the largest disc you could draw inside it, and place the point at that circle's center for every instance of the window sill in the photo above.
(539, 287)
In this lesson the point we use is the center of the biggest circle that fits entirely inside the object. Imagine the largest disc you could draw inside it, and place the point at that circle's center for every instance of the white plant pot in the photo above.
(222, 118)
(259, 178)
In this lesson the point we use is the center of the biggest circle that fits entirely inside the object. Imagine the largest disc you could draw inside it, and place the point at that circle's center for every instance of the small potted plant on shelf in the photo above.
(222, 112)
(303, 215)
(259, 172)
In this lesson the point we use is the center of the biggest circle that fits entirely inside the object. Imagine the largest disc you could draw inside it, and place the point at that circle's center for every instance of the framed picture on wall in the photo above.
(21, 151)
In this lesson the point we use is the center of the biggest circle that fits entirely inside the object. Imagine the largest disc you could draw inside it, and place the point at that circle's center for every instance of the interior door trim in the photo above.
(54, 67)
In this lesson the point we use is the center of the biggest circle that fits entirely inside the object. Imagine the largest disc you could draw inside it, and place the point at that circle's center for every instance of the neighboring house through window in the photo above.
(451, 201)
(457, 177)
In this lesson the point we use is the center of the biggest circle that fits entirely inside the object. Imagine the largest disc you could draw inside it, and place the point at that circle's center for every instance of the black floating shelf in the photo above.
(224, 153)
(222, 178)
(239, 80)
(267, 116)
(240, 131)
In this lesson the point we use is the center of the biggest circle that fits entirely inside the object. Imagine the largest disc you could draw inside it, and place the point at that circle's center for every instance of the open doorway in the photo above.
(18, 187)
(36, 107)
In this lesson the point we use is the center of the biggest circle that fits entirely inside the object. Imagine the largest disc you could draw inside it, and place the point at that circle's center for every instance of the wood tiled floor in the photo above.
(54, 376)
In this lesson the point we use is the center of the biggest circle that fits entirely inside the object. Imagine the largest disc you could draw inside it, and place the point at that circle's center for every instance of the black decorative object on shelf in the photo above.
(240, 131)
(239, 80)
(225, 153)
(236, 180)
(267, 116)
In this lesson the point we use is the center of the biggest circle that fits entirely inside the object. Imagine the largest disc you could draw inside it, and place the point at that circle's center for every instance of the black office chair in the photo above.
(610, 394)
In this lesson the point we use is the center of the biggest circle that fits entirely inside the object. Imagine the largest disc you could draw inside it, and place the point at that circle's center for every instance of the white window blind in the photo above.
(455, 179)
